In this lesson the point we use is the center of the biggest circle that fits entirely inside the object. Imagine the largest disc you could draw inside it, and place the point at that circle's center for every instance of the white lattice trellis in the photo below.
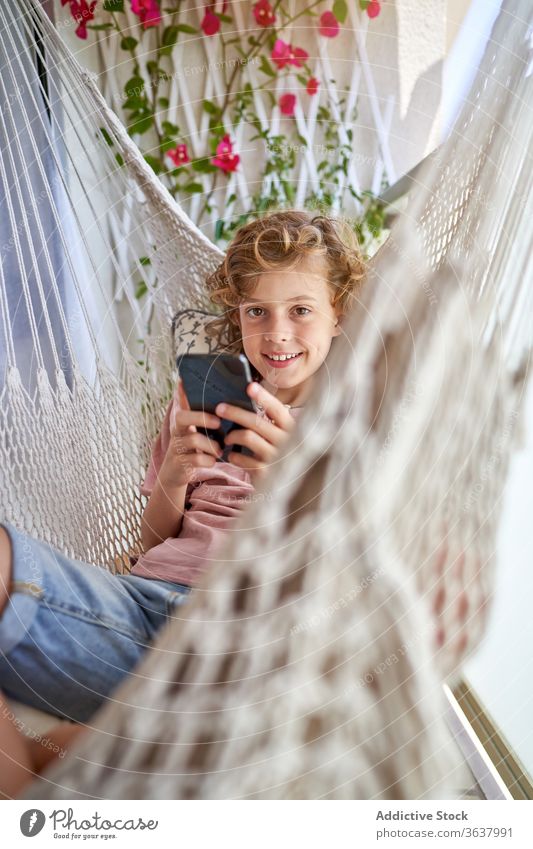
(348, 82)
(360, 84)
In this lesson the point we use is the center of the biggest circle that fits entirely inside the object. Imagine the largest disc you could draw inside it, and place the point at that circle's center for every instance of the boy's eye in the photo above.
(250, 311)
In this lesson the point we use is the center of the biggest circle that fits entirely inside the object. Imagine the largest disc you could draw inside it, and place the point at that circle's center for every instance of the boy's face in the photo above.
(289, 312)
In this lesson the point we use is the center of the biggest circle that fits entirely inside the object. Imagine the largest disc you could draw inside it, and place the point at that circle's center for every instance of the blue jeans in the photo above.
(71, 631)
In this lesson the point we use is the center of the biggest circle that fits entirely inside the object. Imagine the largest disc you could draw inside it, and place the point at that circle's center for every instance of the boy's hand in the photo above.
(188, 450)
(260, 435)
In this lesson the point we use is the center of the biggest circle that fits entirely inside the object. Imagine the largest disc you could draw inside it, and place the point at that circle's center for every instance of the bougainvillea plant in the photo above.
(148, 46)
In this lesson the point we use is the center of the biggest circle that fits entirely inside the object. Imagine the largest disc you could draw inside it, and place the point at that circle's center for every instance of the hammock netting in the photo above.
(310, 662)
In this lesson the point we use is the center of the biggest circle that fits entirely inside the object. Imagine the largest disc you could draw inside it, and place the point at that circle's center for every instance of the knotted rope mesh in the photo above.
(310, 662)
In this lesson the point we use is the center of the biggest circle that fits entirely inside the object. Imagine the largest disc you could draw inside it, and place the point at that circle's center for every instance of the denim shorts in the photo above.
(71, 631)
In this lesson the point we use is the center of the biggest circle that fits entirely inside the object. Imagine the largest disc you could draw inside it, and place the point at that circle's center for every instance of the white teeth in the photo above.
(283, 357)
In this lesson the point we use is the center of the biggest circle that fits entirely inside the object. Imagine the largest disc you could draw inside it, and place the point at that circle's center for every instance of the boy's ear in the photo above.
(338, 325)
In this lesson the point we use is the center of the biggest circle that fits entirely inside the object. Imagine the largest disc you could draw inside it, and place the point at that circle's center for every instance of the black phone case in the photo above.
(209, 379)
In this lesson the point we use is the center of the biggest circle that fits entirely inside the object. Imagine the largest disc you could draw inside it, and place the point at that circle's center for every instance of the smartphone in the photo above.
(208, 380)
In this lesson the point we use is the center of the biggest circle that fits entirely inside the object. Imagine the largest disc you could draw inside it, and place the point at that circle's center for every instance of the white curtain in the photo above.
(37, 281)
(463, 59)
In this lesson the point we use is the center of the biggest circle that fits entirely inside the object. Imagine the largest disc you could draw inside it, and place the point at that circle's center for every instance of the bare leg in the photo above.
(5, 568)
(16, 767)
(21, 758)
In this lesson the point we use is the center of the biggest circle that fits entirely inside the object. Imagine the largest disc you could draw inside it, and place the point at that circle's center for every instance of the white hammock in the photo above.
(56, 166)
(310, 662)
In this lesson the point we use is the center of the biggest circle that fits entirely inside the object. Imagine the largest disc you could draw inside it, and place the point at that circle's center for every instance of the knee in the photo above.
(5, 568)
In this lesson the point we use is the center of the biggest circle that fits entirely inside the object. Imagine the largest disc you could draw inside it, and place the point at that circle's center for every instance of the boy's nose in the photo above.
(277, 337)
(277, 332)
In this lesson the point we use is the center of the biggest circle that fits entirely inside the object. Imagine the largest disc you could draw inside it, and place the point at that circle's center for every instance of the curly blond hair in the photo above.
(281, 240)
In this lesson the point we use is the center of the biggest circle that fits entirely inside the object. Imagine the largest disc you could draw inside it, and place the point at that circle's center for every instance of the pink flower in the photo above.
(287, 103)
(264, 14)
(285, 54)
(329, 25)
(179, 155)
(225, 159)
(148, 12)
(280, 53)
(373, 9)
(210, 22)
(312, 85)
(82, 12)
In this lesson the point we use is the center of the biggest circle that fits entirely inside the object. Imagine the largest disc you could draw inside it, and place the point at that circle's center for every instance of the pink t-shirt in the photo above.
(214, 499)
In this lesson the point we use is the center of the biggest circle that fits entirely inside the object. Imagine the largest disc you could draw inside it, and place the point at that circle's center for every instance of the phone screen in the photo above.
(209, 379)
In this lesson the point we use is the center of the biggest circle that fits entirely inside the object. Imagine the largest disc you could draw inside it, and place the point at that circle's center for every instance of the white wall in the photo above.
(501, 672)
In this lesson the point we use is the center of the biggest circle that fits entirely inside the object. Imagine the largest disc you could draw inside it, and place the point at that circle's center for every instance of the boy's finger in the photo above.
(184, 418)
(180, 402)
(200, 460)
(272, 415)
(182, 396)
(272, 406)
(194, 441)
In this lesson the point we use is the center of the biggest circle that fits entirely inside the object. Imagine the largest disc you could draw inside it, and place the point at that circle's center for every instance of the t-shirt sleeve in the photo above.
(159, 448)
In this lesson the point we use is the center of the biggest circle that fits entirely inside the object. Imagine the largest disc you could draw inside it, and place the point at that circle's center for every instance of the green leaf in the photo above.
(203, 166)
(186, 28)
(266, 67)
(210, 107)
(145, 260)
(119, 159)
(163, 102)
(340, 10)
(113, 6)
(193, 188)
(232, 198)
(219, 228)
(154, 163)
(225, 18)
(100, 26)
(152, 68)
(107, 137)
(271, 39)
(134, 103)
(170, 35)
(141, 289)
(364, 4)
(213, 143)
(170, 129)
(134, 87)
(167, 144)
(129, 43)
(141, 125)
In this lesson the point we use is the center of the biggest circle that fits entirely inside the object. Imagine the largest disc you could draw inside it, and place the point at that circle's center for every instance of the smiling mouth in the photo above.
(283, 358)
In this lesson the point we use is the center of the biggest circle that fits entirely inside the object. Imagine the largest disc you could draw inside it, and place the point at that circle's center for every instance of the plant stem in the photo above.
(209, 196)
(255, 50)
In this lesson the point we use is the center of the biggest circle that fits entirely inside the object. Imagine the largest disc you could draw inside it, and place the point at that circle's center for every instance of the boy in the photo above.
(70, 631)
